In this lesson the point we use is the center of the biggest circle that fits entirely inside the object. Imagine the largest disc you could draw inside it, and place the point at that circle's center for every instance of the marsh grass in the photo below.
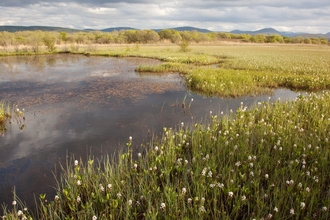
(7, 115)
(267, 162)
(247, 69)
(239, 70)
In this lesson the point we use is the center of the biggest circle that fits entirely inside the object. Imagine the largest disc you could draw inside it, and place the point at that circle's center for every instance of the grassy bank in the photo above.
(270, 162)
(228, 69)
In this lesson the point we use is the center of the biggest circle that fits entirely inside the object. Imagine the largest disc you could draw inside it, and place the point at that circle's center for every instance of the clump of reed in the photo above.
(267, 162)
(7, 114)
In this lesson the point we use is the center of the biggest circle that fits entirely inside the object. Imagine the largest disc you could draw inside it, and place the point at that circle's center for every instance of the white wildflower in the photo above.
(101, 187)
(19, 213)
(302, 205)
(292, 211)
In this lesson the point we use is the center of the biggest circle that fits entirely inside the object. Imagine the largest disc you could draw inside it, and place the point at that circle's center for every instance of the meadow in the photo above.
(269, 161)
(237, 69)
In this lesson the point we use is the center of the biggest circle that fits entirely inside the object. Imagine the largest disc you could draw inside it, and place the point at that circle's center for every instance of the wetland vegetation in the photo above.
(7, 115)
(269, 161)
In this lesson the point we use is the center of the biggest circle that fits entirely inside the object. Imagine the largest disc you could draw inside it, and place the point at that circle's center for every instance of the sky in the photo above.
(310, 16)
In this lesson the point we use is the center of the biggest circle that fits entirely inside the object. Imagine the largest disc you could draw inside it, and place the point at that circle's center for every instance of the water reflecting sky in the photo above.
(81, 105)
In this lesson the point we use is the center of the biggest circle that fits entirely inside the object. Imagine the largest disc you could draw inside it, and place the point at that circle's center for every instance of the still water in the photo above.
(78, 105)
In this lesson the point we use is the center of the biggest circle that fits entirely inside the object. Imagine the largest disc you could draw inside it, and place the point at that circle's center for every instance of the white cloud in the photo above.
(146, 14)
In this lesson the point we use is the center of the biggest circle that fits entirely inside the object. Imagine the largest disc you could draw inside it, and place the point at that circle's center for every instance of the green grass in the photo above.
(270, 161)
(4, 116)
(239, 70)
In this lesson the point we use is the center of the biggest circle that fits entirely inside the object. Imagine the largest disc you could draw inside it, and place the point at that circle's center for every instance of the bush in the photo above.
(184, 46)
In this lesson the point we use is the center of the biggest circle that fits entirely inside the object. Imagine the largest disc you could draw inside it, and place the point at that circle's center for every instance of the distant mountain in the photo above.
(272, 31)
(306, 35)
(34, 28)
(185, 28)
(265, 31)
(118, 29)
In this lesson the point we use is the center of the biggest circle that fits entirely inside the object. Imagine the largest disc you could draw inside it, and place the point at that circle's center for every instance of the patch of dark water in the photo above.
(89, 105)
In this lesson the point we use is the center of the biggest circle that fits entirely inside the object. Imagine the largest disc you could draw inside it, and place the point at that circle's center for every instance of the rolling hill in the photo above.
(264, 31)
(185, 28)
(34, 28)
(117, 29)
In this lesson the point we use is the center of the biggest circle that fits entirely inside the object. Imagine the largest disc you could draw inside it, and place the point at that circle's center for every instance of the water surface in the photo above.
(89, 105)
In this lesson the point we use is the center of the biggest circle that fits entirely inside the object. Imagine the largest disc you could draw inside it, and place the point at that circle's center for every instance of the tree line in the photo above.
(33, 40)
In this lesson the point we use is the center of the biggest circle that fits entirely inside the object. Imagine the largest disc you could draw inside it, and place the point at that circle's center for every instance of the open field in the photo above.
(267, 162)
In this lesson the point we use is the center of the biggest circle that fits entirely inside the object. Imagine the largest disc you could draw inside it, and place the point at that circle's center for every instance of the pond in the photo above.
(78, 105)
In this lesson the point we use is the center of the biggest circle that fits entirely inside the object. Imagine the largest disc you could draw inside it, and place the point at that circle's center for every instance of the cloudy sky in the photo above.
(217, 15)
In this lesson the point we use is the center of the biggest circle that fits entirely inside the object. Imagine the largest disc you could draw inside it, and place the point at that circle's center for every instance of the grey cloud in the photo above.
(23, 3)
(147, 14)
(184, 3)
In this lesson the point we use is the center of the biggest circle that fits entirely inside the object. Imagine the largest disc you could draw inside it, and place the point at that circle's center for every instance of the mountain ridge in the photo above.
(265, 31)
(35, 28)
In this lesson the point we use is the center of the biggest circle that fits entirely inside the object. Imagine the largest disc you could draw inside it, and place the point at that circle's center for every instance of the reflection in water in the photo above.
(81, 105)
